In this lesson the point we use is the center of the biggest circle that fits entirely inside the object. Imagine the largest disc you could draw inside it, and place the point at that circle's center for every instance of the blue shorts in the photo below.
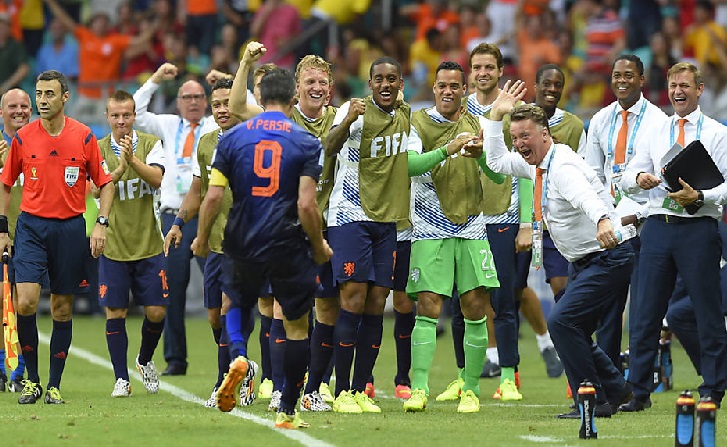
(145, 278)
(554, 263)
(327, 287)
(56, 247)
(401, 268)
(363, 252)
(293, 280)
(213, 281)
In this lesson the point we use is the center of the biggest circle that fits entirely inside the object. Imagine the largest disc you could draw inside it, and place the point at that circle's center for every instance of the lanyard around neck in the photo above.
(630, 146)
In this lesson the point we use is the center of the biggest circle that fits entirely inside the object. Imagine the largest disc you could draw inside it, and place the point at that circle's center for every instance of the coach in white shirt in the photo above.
(578, 211)
(180, 135)
(681, 237)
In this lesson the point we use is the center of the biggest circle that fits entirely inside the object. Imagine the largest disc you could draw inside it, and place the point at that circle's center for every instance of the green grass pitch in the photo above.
(176, 417)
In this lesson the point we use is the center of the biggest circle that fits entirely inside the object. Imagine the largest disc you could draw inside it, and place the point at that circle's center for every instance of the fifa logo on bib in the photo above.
(72, 175)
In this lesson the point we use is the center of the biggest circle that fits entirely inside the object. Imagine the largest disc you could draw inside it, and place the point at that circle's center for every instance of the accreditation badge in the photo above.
(537, 248)
(72, 173)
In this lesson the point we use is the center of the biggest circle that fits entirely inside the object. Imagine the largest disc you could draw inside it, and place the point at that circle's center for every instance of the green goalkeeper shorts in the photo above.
(437, 264)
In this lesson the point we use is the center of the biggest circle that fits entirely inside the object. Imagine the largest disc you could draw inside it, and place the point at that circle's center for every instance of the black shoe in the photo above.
(175, 369)
(31, 392)
(637, 403)
(602, 411)
(490, 370)
(3, 382)
(627, 393)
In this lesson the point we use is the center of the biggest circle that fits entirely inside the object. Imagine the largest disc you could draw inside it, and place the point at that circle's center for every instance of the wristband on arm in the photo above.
(178, 221)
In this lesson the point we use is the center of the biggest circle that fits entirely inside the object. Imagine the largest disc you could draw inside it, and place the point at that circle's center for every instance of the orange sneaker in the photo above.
(227, 393)
(402, 392)
(370, 391)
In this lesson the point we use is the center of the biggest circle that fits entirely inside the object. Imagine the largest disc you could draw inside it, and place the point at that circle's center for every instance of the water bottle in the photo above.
(684, 431)
(706, 415)
(587, 407)
(625, 233)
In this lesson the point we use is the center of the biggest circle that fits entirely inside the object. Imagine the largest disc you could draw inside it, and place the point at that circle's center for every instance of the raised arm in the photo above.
(238, 95)
(62, 16)
(347, 114)
(146, 120)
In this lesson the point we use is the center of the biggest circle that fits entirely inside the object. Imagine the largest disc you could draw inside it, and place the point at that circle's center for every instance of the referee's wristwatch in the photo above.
(103, 220)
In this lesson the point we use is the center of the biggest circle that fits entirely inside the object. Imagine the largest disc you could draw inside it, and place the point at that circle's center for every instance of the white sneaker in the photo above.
(314, 402)
(148, 376)
(275, 401)
(247, 386)
(122, 388)
(212, 401)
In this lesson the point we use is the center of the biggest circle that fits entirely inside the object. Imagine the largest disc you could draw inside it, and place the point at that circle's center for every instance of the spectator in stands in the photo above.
(126, 23)
(13, 61)
(200, 20)
(468, 13)
(673, 32)
(643, 20)
(536, 49)
(328, 17)
(165, 19)
(275, 25)
(32, 21)
(702, 37)
(100, 58)
(424, 58)
(502, 20)
(484, 32)
(430, 14)
(655, 74)
(59, 53)
(142, 60)
(605, 38)
(452, 49)
(239, 14)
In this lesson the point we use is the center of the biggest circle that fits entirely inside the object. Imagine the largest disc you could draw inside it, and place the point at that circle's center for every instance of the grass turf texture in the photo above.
(91, 417)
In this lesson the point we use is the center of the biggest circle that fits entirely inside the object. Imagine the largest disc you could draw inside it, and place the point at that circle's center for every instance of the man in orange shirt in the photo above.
(55, 154)
(200, 20)
(100, 56)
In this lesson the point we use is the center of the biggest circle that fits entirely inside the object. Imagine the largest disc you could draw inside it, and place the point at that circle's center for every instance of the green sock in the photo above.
(460, 373)
(423, 346)
(507, 372)
(475, 350)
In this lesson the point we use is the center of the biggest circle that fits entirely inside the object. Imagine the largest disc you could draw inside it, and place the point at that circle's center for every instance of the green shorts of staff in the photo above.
(436, 265)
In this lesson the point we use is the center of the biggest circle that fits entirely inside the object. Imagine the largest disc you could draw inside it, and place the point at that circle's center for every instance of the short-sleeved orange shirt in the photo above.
(201, 7)
(99, 59)
(55, 168)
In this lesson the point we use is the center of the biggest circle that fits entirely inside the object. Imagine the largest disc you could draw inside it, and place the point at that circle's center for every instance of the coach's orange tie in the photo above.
(189, 142)
(620, 156)
(538, 195)
(680, 137)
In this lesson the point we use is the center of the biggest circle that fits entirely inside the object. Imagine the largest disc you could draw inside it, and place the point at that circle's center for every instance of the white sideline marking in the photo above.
(541, 439)
(294, 435)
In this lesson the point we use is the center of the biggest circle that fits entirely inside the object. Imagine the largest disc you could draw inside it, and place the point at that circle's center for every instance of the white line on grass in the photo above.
(294, 435)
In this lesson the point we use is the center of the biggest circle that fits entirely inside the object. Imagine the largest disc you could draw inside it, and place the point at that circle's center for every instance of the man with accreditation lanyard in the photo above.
(615, 134)
(571, 199)
(681, 237)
